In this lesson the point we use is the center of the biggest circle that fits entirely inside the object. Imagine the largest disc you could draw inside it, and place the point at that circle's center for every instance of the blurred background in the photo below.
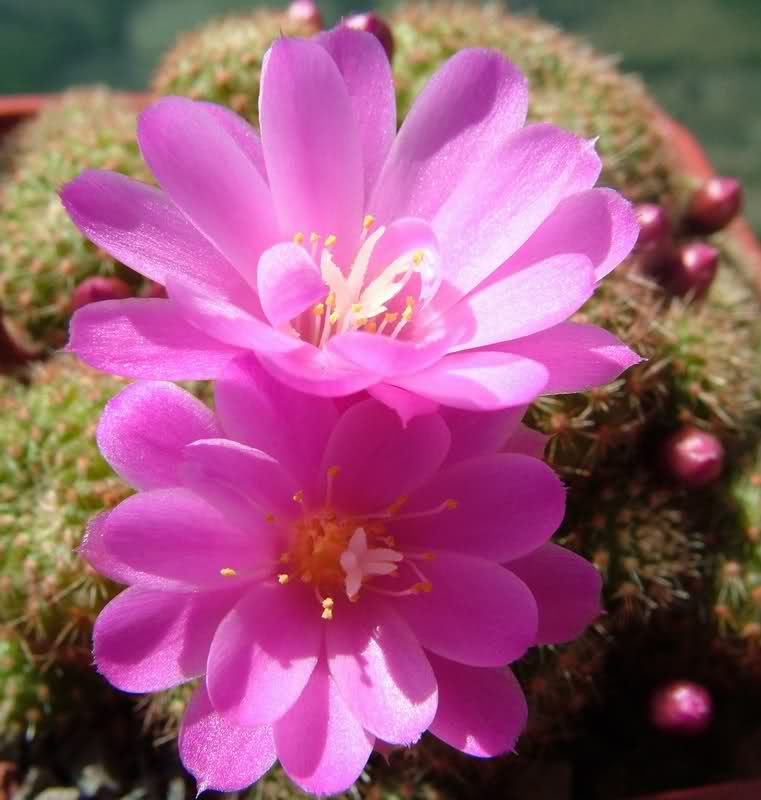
(700, 58)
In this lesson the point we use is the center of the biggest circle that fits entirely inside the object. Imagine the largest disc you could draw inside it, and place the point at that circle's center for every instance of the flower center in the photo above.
(361, 298)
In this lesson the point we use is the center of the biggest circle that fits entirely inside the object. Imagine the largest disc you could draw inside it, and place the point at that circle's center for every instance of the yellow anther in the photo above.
(327, 613)
(299, 496)
(372, 326)
(333, 318)
(423, 587)
(368, 221)
(417, 257)
(409, 300)
(319, 309)
(228, 572)
(356, 308)
(361, 322)
(451, 504)
(283, 578)
(328, 602)
(333, 471)
(330, 240)
(298, 238)
(269, 517)
(407, 313)
(392, 316)
(330, 300)
(314, 237)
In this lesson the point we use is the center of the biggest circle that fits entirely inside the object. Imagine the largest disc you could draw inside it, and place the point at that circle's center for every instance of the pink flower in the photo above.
(335, 577)
(436, 266)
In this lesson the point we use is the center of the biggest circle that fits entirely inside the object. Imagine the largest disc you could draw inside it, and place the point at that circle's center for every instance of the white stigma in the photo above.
(359, 561)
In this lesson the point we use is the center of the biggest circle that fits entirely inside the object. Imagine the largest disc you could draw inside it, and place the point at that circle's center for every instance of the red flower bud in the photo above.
(682, 707)
(693, 457)
(305, 11)
(715, 204)
(97, 288)
(691, 269)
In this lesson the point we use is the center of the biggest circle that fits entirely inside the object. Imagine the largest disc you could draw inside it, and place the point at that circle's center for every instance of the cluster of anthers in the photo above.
(350, 305)
(334, 552)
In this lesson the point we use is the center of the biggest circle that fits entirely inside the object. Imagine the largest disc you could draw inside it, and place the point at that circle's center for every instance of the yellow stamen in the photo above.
(327, 602)
(327, 613)
(371, 326)
(299, 496)
(283, 578)
(356, 308)
(330, 240)
(417, 257)
(330, 300)
(368, 221)
(319, 309)
(407, 313)
(228, 572)
(298, 238)
(390, 317)
(314, 237)
(333, 318)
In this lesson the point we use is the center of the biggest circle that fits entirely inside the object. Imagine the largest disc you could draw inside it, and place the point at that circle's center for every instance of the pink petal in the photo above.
(378, 458)
(185, 541)
(510, 306)
(147, 641)
(387, 356)
(219, 754)
(407, 405)
(145, 339)
(507, 506)
(245, 135)
(567, 590)
(144, 428)
(497, 207)
(256, 475)
(477, 612)
(480, 381)
(320, 743)
(227, 322)
(365, 68)
(213, 182)
(481, 711)
(319, 372)
(528, 442)
(466, 110)
(577, 356)
(142, 228)
(93, 550)
(288, 282)
(264, 652)
(311, 144)
(480, 434)
(380, 670)
(258, 411)
(598, 223)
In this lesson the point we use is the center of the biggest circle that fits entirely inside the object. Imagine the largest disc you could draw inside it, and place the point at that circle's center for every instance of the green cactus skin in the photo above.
(52, 481)
(221, 62)
(43, 255)
(570, 85)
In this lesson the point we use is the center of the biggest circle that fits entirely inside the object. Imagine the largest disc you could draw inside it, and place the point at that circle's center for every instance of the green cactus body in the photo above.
(43, 256)
(222, 61)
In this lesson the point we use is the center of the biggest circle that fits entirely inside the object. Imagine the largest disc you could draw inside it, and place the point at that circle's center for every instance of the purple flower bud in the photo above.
(682, 707)
(715, 204)
(693, 457)
(97, 288)
(305, 11)
(691, 269)
(372, 23)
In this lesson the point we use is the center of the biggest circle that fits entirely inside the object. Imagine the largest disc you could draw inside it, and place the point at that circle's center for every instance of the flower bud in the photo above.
(97, 288)
(682, 707)
(715, 204)
(372, 23)
(693, 457)
(691, 269)
(654, 225)
(306, 12)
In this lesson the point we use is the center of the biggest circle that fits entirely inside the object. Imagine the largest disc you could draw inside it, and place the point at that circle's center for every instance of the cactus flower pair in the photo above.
(344, 553)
